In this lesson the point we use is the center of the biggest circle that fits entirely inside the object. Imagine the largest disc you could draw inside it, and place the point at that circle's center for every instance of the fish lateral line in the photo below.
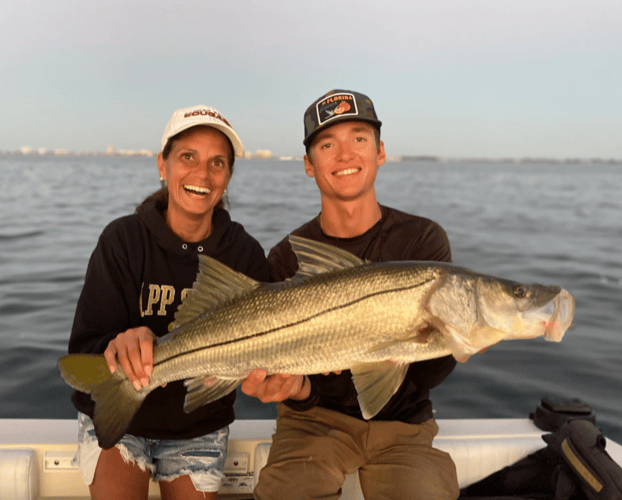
(293, 324)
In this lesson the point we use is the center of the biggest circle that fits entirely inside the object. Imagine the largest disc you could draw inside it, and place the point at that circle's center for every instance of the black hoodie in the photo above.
(137, 276)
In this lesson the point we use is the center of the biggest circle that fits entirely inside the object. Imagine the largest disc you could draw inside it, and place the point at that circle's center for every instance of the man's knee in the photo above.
(301, 480)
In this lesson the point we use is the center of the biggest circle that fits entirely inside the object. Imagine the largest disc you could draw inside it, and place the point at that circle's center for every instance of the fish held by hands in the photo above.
(337, 313)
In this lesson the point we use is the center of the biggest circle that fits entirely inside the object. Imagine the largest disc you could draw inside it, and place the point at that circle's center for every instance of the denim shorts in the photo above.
(201, 458)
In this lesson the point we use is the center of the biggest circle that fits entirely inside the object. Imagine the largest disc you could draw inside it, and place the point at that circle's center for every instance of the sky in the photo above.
(449, 78)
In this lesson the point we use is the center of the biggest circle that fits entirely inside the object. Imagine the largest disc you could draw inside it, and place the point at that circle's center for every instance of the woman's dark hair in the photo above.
(161, 195)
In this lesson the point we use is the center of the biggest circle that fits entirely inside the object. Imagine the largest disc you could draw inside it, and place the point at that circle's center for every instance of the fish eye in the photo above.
(519, 292)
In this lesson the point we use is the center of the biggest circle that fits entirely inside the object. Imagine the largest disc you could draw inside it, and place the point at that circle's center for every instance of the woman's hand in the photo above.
(133, 349)
(276, 388)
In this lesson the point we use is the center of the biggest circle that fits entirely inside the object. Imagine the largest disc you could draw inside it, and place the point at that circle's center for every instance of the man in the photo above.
(321, 435)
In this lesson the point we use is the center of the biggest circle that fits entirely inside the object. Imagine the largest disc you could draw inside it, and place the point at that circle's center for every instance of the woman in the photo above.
(138, 275)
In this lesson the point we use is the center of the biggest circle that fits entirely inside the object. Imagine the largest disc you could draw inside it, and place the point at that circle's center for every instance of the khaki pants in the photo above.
(312, 452)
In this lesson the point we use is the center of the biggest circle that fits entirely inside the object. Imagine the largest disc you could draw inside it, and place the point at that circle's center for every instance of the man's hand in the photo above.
(276, 388)
(133, 349)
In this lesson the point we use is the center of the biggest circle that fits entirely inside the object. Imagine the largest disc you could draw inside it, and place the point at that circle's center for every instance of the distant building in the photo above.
(131, 152)
(264, 154)
(420, 158)
(26, 150)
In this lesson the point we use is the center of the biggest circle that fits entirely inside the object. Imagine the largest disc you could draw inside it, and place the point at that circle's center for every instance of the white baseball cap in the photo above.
(185, 118)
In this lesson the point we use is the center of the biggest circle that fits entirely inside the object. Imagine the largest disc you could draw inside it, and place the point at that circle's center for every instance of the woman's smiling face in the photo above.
(197, 171)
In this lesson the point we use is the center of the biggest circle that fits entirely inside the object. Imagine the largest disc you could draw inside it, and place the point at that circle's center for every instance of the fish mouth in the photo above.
(197, 190)
(561, 318)
(347, 171)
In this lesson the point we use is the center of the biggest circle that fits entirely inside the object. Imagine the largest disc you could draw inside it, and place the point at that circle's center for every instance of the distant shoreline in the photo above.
(265, 155)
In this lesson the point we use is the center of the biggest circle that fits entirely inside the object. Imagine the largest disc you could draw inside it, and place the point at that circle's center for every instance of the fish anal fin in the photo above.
(215, 283)
(376, 383)
(200, 394)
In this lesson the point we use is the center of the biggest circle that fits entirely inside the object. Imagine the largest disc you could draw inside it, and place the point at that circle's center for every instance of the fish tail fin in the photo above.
(116, 403)
(116, 399)
(84, 372)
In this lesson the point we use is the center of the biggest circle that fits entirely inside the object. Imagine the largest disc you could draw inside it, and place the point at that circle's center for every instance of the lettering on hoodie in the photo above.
(158, 299)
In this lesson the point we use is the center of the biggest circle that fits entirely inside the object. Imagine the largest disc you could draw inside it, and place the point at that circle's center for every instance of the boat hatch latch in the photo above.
(58, 460)
(237, 463)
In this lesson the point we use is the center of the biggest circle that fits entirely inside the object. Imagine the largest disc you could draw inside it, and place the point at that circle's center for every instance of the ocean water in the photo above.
(535, 222)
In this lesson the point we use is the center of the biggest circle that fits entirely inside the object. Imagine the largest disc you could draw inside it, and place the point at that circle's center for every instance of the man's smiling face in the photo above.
(344, 160)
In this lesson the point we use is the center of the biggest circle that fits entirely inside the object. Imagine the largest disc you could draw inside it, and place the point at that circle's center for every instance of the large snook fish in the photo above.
(337, 313)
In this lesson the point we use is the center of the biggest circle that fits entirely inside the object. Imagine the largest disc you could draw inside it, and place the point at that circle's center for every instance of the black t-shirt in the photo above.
(396, 237)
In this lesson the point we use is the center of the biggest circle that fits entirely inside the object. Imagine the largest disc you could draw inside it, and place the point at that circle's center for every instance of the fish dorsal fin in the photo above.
(317, 258)
(215, 283)
(376, 383)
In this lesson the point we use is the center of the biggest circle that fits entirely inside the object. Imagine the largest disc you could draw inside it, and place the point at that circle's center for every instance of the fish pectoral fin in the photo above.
(457, 343)
(418, 337)
(376, 383)
(116, 400)
(200, 394)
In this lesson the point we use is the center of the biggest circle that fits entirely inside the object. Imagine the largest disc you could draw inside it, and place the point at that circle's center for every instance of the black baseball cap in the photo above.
(338, 106)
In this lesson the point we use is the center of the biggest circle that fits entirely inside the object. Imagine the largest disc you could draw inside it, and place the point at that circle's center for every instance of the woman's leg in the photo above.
(182, 488)
(115, 478)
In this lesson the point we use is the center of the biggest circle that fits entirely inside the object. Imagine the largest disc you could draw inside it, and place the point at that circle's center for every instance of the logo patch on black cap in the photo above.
(335, 106)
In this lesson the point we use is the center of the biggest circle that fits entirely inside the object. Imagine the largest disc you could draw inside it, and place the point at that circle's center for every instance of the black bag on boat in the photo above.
(552, 413)
(573, 466)
(581, 446)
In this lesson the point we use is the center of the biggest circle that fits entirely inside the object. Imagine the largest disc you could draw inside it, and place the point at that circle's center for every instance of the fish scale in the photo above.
(322, 333)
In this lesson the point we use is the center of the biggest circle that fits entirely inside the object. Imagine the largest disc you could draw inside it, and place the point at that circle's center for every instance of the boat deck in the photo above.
(46, 447)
